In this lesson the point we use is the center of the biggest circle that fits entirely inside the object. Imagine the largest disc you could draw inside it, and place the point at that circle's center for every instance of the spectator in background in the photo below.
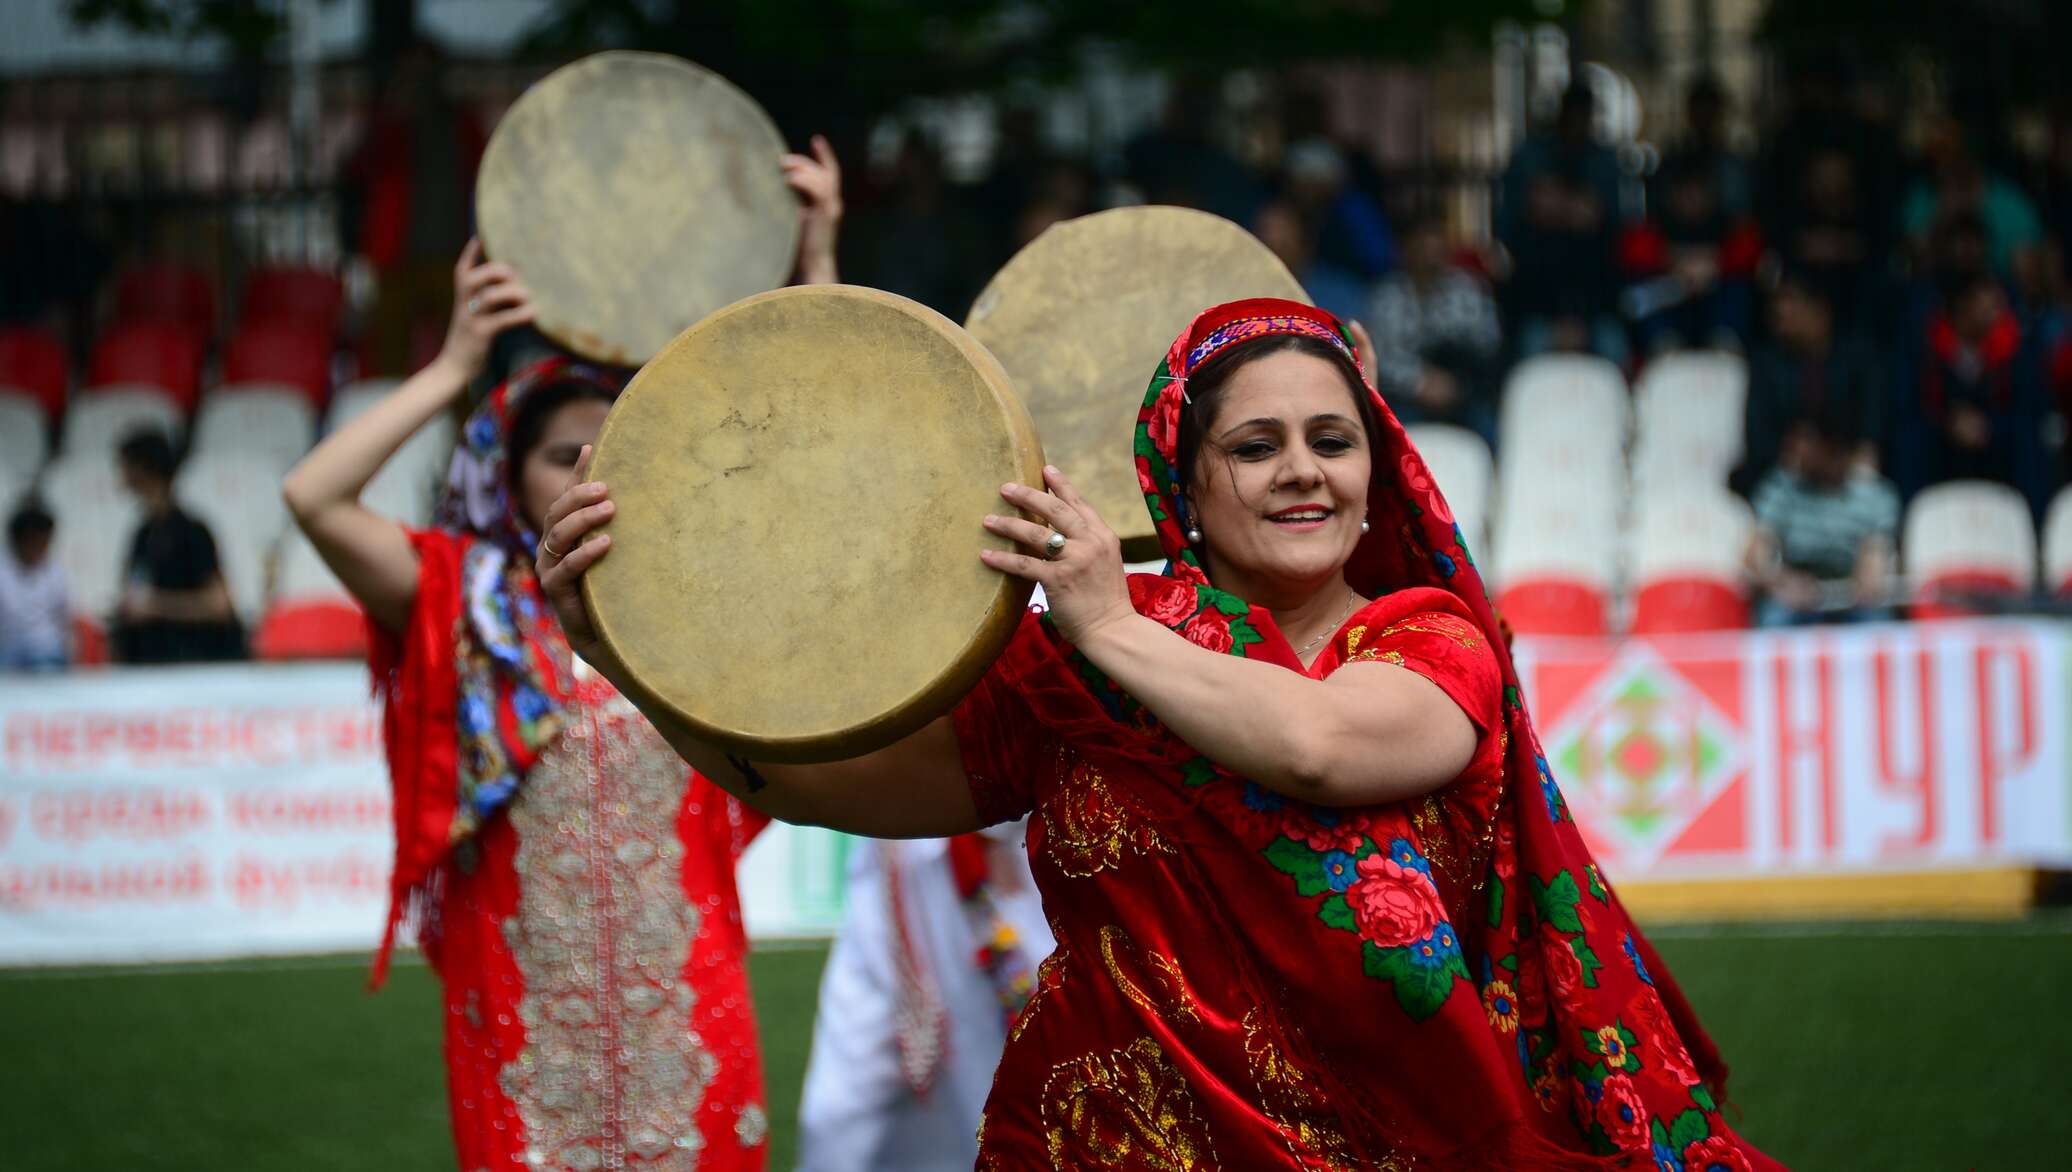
(1704, 149)
(1826, 528)
(1829, 234)
(1696, 259)
(1436, 340)
(1977, 409)
(411, 187)
(35, 602)
(175, 607)
(918, 243)
(1291, 233)
(1179, 161)
(1958, 185)
(1807, 367)
(1559, 217)
(1352, 232)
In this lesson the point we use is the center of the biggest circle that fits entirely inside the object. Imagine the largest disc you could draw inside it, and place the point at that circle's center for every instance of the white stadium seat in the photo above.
(1460, 462)
(356, 397)
(1686, 553)
(274, 421)
(1969, 536)
(1564, 393)
(2057, 545)
(96, 521)
(24, 436)
(1690, 411)
(237, 495)
(13, 488)
(407, 485)
(99, 420)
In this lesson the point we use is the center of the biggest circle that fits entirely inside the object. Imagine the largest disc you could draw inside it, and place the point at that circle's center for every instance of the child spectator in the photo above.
(1826, 528)
(35, 607)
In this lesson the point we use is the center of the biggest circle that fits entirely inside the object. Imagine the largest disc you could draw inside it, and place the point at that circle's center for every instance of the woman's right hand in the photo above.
(564, 556)
(488, 299)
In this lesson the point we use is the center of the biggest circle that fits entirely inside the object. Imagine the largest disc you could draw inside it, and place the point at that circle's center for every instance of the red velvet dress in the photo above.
(588, 938)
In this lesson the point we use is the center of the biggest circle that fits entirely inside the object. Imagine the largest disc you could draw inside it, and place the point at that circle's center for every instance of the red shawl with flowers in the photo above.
(1244, 981)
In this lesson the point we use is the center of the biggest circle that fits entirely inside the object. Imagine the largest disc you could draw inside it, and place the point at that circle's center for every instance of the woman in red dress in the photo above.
(571, 880)
(1318, 900)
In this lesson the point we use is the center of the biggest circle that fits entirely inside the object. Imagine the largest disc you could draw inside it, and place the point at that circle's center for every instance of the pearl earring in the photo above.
(1193, 535)
(1364, 527)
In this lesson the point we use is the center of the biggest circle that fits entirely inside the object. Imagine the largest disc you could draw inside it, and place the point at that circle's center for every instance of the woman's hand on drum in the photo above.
(564, 555)
(817, 178)
(488, 299)
(1082, 577)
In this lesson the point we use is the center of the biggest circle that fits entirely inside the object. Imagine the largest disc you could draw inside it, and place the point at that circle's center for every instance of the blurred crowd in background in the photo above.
(1892, 278)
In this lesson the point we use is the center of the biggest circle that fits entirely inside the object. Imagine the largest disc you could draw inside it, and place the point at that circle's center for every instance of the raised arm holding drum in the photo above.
(1315, 890)
(594, 1015)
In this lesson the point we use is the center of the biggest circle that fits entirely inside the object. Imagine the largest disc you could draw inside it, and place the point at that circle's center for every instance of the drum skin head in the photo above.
(635, 193)
(800, 480)
(1081, 316)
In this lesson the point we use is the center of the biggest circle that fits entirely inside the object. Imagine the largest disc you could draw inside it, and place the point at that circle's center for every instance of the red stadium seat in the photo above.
(317, 628)
(154, 354)
(283, 352)
(33, 361)
(1553, 606)
(1675, 605)
(310, 297)
(167, 293)
(1951, 595)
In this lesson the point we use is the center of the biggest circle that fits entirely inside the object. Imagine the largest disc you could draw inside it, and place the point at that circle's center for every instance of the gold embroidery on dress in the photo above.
(1352, 638)
(1297, 1106)
(1050, 976)
(612, 1074)
(1177, 1002)
(1087, 828)
(1128, 1109)
(1374, 654)
(1459, 632)
(1429, 819)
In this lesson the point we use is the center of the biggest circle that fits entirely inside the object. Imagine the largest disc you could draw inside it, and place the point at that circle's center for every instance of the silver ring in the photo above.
(474, 305)
(1054, 546)
(550, 551)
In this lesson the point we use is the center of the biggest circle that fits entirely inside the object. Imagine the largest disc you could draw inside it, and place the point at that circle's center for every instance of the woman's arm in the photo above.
(914, 788)
(817, 179)
(371, 554)
(1370, 732)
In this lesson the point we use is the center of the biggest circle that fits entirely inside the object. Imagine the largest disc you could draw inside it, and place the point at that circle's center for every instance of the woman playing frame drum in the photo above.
(1319, 902)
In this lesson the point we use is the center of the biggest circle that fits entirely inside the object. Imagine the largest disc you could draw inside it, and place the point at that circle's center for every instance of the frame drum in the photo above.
(635, 193)
(799, 482)
(1081, 317)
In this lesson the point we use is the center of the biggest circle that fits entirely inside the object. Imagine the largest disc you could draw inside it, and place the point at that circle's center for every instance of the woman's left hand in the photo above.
(1085, 584)
(817, 180)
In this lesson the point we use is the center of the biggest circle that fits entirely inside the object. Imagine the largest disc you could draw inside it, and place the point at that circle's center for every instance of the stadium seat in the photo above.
(33, 362)
(1460, 463)
(299, 296)
(96, 521)
(310, 615)
(2057, 545)
(1555, 559)
(174, 294)
(407, 485)
(284, 352)
(355, 397)
(1968, 537)
(259, 418)
(103, 418)
(24, 434)
(1687, 553)
(237, 495)
(14, 486)
(1563, 393)
(151, 354)
(1689, 419)
(89, 643)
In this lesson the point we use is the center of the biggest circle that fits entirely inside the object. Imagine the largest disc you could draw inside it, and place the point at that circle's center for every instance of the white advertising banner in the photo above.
(197, 813)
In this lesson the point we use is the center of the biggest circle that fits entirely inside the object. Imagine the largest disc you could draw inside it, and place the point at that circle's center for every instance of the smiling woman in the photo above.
(1317, 896)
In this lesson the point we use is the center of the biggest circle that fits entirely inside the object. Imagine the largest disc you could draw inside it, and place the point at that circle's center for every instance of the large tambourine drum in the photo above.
(635, 193)
(1081, 316)
(800, 480)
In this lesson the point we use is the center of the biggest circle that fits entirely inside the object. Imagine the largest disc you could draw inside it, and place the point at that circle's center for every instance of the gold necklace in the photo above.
(1351, 597)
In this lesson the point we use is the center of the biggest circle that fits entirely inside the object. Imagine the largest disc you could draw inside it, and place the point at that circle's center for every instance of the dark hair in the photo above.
(1794, 279)
(1205, 389)
(30, 520)
(529, 422)
(148, 451)
(1832, 422)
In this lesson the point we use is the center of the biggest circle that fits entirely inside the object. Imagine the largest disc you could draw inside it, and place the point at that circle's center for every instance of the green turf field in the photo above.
(1930, 1046)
